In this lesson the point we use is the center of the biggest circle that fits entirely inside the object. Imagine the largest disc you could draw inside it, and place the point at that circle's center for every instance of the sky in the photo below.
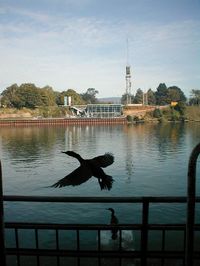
(81, 44)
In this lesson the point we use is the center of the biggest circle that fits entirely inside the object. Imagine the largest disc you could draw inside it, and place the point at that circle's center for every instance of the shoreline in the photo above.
(79, 121)
(62, 121)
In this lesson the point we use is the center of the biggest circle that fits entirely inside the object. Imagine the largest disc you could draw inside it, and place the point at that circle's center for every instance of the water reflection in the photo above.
(129, 156)
(143, 153)
(169, 138)
(166, 137)
(27, 143)
(73, 136)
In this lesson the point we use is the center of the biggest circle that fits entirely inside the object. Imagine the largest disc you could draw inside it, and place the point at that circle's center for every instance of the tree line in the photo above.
(30, 96)
(162, 95)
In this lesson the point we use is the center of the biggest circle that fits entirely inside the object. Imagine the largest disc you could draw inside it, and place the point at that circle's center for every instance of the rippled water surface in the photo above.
(150, 160)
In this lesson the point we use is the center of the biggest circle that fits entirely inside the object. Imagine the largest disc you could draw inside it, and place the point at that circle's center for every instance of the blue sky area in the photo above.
(83, 44)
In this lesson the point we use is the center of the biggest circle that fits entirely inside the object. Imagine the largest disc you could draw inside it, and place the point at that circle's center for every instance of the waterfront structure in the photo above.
(98, 110)
(67, 100)
(104, 110)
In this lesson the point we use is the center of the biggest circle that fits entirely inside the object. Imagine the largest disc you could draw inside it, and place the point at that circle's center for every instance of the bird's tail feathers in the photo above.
(57, 184)
(106, 182)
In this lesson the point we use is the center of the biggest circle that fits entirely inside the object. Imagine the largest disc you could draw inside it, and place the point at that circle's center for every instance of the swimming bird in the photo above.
(113, 221)
(112, 242)
(127, 240)
(87, 169)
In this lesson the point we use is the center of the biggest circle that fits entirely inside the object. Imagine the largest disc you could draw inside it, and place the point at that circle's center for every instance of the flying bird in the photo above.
(87, 169)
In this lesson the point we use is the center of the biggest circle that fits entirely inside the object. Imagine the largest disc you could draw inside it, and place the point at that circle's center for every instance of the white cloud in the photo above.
(87, 52)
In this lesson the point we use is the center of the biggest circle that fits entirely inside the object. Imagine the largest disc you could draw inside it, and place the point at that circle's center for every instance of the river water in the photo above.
(150, 160)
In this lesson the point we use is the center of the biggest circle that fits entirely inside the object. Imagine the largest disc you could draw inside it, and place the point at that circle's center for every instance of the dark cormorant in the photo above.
(87, 169)
(127, 239)
(113, 221)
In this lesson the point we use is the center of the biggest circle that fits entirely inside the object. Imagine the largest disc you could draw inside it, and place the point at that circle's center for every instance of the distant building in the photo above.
(67, 100)
(174, 104)
(103, 110)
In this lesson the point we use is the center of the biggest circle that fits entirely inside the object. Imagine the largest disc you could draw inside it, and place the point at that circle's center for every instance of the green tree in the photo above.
(9, 96)
(180, 107)
(157, 113)
(138, 96)
(175, 94)
(124, 99)
(129, 118)
(26, 95)
(90, 96)
(29, 95)
(151, 97)
(175, 115)
(48, 96)
(195, 97)
(162, 95)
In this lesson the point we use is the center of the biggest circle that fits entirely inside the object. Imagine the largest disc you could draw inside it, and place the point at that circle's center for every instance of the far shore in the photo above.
(130, 115)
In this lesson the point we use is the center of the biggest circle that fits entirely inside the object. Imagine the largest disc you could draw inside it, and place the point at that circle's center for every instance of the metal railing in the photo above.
(141, 255)
(188, 256)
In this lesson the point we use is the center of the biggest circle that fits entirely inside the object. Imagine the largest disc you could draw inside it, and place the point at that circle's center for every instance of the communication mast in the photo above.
(128, 78)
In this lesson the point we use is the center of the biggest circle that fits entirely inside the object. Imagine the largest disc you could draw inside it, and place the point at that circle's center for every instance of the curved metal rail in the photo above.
(2, 243)
(191, 195)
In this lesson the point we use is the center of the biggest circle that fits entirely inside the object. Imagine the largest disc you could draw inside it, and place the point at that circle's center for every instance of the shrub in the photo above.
(162, 120)
(136, 119)
(157, 113)
(129, 118)
(180, 107)
(175, 115)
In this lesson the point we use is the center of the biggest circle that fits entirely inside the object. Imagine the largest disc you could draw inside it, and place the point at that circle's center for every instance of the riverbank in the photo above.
(193, 113)
(62, 121)
(59, 116)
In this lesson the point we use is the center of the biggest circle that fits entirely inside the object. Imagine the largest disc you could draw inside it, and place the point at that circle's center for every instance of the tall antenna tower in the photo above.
(128, 76)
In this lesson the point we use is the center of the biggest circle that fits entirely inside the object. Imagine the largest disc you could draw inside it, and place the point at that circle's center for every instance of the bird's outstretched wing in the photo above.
(75, 178)
(103, 160)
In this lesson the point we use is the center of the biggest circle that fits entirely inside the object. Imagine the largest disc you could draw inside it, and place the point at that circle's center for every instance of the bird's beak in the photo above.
(63, 151)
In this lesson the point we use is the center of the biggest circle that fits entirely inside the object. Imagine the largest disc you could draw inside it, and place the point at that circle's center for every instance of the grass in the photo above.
(193, 113)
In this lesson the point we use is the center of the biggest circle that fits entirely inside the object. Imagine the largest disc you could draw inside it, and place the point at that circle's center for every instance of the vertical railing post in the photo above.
(2, 243)
(191, 194)
(144, 233)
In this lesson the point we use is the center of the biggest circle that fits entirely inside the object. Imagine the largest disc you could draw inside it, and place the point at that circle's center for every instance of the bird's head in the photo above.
(70, 153)
(73, 154)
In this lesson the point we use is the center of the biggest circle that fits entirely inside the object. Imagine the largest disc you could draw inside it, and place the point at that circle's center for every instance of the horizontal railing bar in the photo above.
(73, 253)
(96, 253)
(97, 199)
(168, 227)
(11, 225)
